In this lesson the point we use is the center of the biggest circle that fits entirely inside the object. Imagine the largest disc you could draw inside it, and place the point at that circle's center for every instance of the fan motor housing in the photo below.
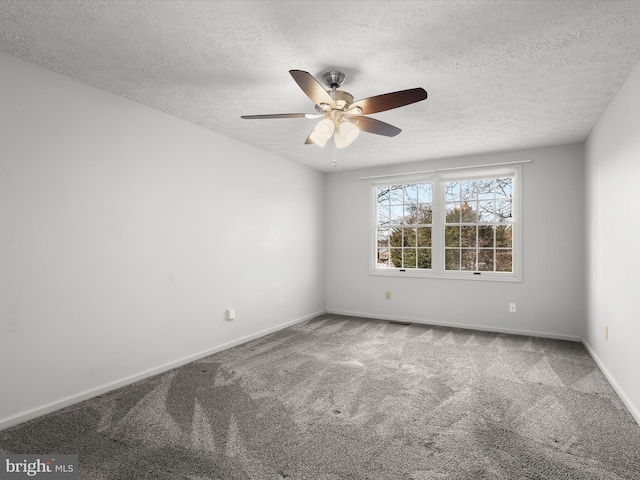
(340, 96)
(343, 100)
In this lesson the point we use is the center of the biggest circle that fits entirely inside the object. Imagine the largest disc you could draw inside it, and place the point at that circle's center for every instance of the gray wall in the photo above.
(126, 233)
(613, 226)
(550, 300)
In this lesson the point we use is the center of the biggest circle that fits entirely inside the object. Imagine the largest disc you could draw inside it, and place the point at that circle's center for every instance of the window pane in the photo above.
(468, 260)
(383, 215)
(485, 260)
(468, 213)
(485, 212)
(424, 258)
(397, 195)
(424, 213)
(467, 190)
(451, 236)
(409, 237)
(485, 189)
(504, 236)
(383, 237)
(468, 236)
(504, 261)
(451, 192)
(396, 258)
(383, 195)
(425, 193)
(409, 258)
(383, 258)
(411, 194)
(411, 214)
(485, 236)
(453, 213)
(424, 236)
(452, 259)
(396, 214)
(504, 187)
(504, 211)
(395, 239)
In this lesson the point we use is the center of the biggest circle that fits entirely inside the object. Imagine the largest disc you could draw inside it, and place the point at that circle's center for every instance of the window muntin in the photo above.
(454, 224)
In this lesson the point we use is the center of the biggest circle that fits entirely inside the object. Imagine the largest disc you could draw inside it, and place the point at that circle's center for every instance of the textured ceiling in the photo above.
(500, 74)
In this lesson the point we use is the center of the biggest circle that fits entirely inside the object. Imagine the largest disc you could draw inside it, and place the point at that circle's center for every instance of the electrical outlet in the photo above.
(387, 295)
(280, 301)
(606, 332)
(231, 314)
(512, 307)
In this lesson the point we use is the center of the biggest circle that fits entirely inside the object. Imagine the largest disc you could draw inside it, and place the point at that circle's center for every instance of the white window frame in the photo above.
(438, 179)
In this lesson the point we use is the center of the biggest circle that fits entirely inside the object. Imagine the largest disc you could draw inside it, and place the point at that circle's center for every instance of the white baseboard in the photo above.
(459, 325)
(79, 397)
(635, 412)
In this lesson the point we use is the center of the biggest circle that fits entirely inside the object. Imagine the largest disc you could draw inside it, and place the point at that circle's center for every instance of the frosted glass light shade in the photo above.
(346, 134)
(324, 129)
(317, 139)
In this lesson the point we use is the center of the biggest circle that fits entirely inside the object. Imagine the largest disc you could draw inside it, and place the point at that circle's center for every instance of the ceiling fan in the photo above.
(344, 118)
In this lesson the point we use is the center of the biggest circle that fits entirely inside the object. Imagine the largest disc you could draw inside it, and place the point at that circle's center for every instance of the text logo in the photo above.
(45, 467)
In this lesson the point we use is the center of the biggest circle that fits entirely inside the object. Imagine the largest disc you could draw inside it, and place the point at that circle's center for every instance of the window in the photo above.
(403, 232)
(448, 224)
(478, 230)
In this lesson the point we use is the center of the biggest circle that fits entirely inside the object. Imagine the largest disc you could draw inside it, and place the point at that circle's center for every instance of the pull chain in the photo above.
(335, 153)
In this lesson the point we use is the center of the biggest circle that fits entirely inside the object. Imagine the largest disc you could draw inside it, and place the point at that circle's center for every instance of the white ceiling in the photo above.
(500, 74)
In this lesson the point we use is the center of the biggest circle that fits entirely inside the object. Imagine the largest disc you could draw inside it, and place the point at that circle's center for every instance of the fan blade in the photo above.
(387, 101)
(371, 125)
(308, 141)
(314, 90)
(275, 115)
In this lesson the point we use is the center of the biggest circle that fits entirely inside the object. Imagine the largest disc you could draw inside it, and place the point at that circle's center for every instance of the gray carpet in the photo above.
(346, 398)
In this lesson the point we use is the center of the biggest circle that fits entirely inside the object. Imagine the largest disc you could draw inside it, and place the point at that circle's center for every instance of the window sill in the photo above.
(469, 276)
